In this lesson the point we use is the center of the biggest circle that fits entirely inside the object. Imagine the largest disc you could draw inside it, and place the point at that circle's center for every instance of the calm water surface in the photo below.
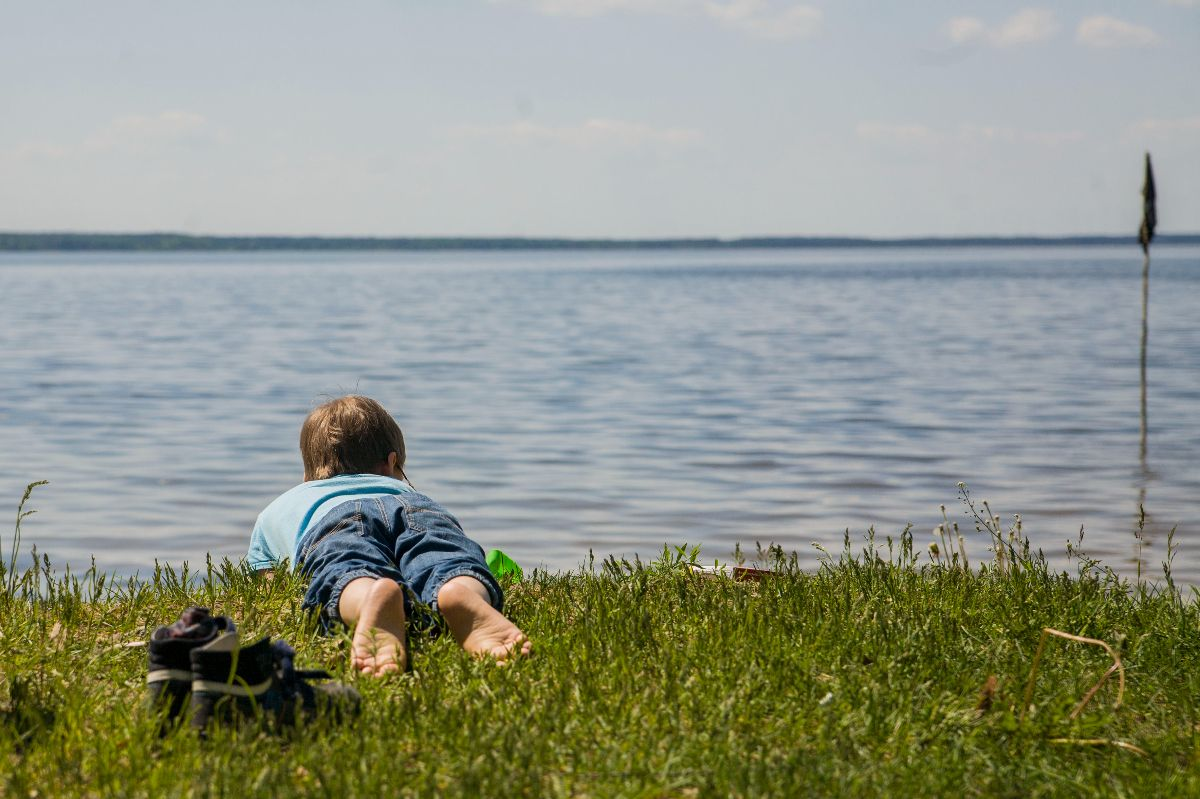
(566, 402)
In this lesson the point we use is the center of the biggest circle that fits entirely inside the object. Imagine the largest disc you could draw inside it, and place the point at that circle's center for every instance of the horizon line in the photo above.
(161, 241)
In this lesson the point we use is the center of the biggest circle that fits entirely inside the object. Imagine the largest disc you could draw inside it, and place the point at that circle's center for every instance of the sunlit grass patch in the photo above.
(881, 672)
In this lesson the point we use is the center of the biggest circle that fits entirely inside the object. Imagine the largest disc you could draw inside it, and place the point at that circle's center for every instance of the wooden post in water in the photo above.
(1145, 234)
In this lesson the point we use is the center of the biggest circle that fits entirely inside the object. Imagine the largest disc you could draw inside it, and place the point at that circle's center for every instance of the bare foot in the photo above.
(376, 609)
(478, 627)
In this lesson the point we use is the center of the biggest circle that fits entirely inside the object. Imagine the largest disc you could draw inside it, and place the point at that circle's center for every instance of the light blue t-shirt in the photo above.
(284, 522)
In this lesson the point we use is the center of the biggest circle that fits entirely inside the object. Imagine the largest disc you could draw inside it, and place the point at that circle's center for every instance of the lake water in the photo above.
(561, 402)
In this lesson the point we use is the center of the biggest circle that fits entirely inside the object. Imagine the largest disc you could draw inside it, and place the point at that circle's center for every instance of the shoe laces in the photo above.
(293, 681)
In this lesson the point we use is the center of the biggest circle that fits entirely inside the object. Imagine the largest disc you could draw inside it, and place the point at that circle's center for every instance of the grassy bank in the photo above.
(879, 673)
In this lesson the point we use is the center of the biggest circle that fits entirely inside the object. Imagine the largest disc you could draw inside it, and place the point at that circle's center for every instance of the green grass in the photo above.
(860, 678)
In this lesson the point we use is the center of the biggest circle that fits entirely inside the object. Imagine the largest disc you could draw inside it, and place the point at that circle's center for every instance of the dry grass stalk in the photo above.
(1101, 742)
(1087, 697)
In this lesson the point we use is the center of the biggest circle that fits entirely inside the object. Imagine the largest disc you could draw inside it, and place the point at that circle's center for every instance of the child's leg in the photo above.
(347, 558)
(374, 607)
(447, 571)
(477, 626)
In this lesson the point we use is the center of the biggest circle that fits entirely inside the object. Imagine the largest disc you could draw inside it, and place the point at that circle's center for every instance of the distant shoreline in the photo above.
(179, 242)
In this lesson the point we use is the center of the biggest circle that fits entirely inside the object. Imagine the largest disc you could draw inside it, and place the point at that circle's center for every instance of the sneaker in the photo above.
(233, 684)
(302, 700)
(169, 663)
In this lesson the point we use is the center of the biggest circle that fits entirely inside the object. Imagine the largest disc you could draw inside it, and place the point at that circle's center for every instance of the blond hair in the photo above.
(349, 435)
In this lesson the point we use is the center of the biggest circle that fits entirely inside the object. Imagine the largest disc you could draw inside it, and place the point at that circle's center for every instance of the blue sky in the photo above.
(598, 117)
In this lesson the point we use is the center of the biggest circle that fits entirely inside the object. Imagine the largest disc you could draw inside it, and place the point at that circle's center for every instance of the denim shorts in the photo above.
(405, 537)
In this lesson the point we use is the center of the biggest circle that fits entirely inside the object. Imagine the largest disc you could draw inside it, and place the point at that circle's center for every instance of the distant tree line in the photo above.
(179, 242)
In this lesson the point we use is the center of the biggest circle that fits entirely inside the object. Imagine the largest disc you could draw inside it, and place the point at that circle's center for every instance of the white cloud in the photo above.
(1054, 138)
(1184, 3)
(1166, 128)
(759, 19)
(903, 133)
(915, 134)
(594, 8)
(592, 133)
(1102, 31)
(134, 133)
(137, 131)
(34, 151)
(769, 19)
(999, 133)
(963, 30)
(1027, 26)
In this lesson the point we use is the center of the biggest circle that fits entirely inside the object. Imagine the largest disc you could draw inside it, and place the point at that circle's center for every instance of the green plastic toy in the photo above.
(501, 566)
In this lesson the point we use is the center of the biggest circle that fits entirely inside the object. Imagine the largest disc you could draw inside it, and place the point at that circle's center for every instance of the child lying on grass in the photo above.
(370, 544)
